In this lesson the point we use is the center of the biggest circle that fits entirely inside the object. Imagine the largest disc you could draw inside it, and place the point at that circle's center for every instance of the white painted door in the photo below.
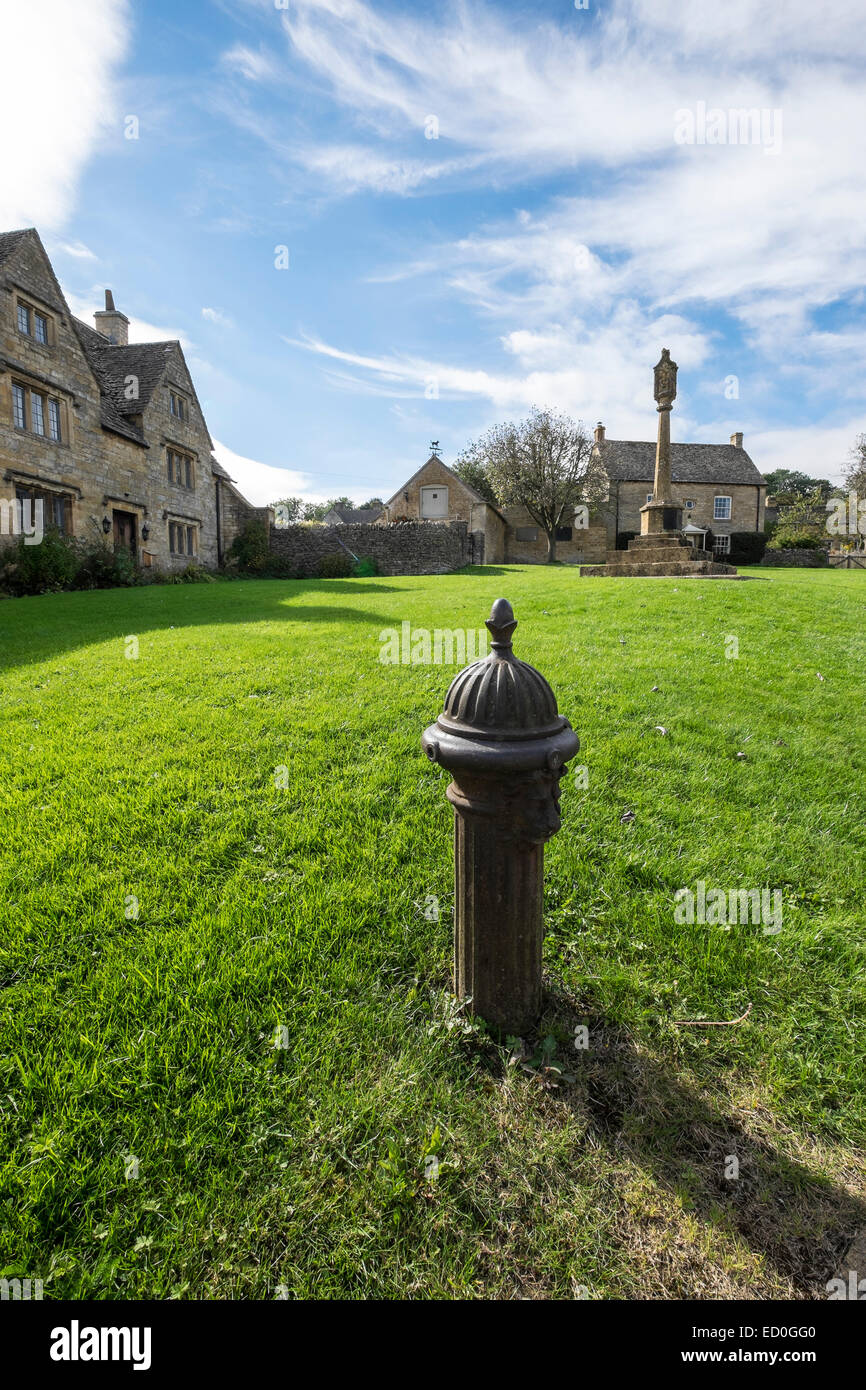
(434, 503)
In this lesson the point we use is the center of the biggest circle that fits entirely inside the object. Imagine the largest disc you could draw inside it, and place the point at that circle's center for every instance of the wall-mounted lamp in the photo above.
(145, 531)
(106, 524)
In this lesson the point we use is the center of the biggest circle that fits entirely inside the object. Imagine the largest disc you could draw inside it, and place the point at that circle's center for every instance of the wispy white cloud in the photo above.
(353, 168)
(216, 316)
(821, 453)
(256, 65)
(263, 483)
(58, 93)
(75, 249)
(602, 370)
(655, 233)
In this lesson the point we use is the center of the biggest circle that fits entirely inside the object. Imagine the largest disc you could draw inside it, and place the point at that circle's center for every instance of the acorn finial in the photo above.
(501, 625)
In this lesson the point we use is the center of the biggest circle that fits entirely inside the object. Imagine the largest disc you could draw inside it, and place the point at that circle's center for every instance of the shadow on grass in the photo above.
(485, 571)
(51, 625)
(799, 1221)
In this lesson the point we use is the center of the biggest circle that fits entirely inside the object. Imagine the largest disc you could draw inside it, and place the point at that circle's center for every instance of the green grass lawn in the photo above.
(167, 908)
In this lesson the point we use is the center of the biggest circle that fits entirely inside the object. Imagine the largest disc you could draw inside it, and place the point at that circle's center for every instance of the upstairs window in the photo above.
(689, 503)
(33, 324)
(181, 470)
(37, 412)
(34, 411)
(721, 509)
(179, 406)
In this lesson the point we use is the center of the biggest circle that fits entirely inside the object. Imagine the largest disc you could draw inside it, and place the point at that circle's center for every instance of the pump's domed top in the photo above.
(501, 696)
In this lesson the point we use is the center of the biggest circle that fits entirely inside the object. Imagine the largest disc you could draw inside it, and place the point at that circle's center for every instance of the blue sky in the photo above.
(541, 249)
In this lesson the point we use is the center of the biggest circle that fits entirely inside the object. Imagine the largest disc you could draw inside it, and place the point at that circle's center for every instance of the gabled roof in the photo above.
(633, 460)
(112, 364)
(467, 487)
(111, 399)
(357, 516)
(9, 241)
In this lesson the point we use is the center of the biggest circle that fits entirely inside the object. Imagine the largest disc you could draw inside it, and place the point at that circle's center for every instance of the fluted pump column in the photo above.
(506, 746)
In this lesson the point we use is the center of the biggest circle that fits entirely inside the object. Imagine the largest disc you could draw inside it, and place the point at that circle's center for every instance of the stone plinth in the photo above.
(658, 518)
(656, 555)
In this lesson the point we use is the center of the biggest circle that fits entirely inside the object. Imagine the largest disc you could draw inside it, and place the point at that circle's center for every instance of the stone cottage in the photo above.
(107, 435)
(435, 493)
(717, 485)
(499, 534)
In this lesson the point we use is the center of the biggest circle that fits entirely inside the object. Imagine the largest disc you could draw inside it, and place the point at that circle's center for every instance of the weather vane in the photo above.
(434, 446)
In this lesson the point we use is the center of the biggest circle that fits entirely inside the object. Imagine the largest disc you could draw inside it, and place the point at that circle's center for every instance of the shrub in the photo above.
(795, 538)
(39, 569)
(747, 547)
(335, 566)
(100, 568)
(191, 574)
(250, 550)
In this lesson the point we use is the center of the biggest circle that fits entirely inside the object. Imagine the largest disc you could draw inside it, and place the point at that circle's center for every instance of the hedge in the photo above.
(747, 547)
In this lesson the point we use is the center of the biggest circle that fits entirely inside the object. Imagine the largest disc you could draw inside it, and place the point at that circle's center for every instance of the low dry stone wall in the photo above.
(801, 559)
(405, 547)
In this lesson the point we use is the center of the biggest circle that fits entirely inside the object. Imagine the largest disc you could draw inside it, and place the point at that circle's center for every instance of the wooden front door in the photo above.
(125, 531)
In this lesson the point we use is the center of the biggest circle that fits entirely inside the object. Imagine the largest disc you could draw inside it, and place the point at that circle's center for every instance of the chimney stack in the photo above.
(111, 323)
(598, 433)
(737, 440)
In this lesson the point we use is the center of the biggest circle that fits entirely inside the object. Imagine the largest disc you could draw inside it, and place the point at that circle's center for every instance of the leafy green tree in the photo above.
(785, 485)
(472, 469)
(545, 464)
(855, 475)
(802, 524)
(317, 511)
(288, 510)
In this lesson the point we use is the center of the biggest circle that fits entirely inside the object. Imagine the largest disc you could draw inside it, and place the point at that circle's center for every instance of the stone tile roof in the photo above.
(633, 460)
(10, 240)
(112, 364)
(358, 516)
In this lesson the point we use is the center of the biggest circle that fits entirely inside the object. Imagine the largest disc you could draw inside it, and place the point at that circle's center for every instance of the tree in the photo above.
(787, 484)
(288, 509)
(473, 470)
(373, 502)
(855, 475)
(802, 524)
(544, 463)
(317, 511)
